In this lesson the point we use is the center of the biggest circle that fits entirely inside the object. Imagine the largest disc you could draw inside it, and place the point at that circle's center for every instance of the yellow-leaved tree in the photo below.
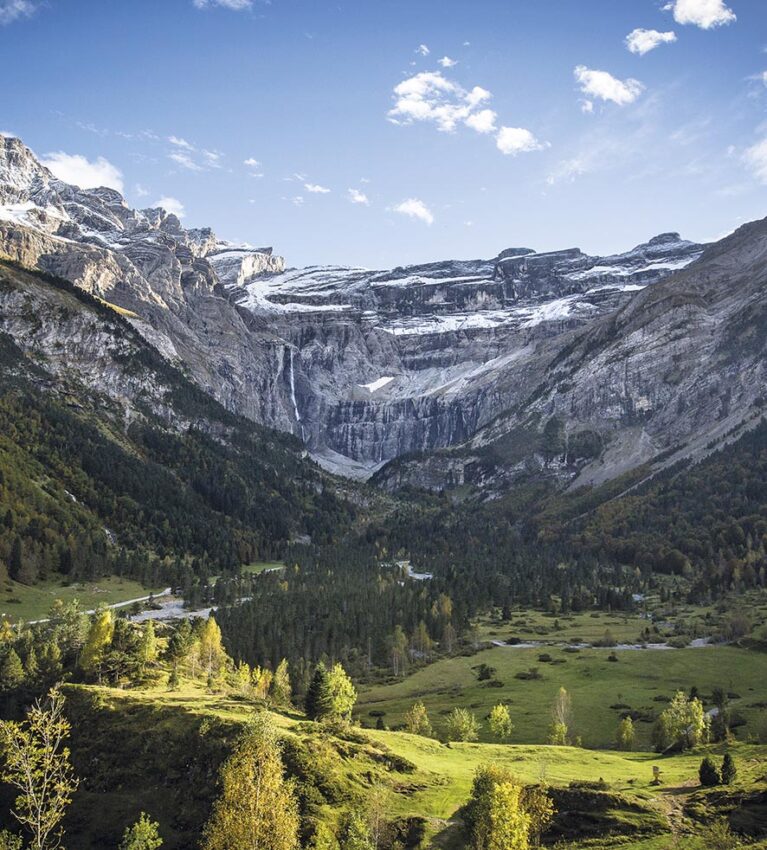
(37, 765)
(257, 809)
(509, 823)
(97, 643)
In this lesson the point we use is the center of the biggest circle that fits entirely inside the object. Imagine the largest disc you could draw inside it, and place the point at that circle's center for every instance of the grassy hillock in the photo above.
(158, 751)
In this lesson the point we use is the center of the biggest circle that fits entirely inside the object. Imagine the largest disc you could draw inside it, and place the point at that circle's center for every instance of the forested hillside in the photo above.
(144, 476)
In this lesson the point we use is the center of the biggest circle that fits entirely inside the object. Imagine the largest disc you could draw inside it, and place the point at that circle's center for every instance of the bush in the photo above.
(729, 770)
(709, 773)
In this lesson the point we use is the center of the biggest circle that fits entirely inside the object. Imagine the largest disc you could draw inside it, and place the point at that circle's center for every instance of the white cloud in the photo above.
(357, 197)
(705, 14)
(316, 189)
(482, 121)
(234, 5)
(171, 205)
(12, 10)
(251, 162)
(756, 159)
(429, 96)
(185, 161)
(141, 191)
(447, 62)
(603, 85)
(515, 140)
(79, 171)
(643, 41)
(7, 134)
(180, 143)
(415, 208)
(587, 107)
(423, 50)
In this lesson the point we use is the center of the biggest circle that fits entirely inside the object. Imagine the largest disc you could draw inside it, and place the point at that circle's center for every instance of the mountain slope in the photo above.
(112, 460)
(679, 368)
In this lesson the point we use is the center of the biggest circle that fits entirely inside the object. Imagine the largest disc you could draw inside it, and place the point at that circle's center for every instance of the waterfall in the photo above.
(293, 390)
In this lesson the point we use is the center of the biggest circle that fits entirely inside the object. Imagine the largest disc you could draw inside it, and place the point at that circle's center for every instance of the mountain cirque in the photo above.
(441, 359)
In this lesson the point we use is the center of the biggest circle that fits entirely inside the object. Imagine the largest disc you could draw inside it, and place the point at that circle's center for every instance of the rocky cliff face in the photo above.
(365, 366)
(674, 373)
(419, 358)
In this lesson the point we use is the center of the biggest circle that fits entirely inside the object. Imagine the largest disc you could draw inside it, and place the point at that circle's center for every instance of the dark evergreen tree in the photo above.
(729, 770)
(709, 773)
(318, 703)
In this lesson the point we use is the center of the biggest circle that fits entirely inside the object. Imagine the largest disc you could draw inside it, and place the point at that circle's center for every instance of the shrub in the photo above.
(729, 770)
(709, 773)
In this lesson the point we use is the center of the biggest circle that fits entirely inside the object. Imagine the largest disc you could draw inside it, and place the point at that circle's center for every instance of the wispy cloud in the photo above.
(602, 85)
(171, 205)
(705, 14)
(80, 171)
(416, 209)
(234, 5)
(188, 156)
(181, 143)
(184, 160)
(447, 62)
(642, 41)
(755, 158)
(13, 10)
(316, 189)
(423, 50)
(357, 197)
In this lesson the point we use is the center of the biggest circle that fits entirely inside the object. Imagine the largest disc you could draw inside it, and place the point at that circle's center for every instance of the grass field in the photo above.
(21, 602)
(262, 567)
(640, 680)
(664, 621)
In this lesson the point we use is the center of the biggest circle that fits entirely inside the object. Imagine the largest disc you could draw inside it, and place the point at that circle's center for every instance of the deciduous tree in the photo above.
(257, 809)
(37, 764)
(500, 722)
(143, 835)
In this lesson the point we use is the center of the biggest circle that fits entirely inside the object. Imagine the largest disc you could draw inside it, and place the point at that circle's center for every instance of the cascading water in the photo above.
(293, 394)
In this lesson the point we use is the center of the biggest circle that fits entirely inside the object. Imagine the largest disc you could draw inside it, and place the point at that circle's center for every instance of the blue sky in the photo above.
(540, 128)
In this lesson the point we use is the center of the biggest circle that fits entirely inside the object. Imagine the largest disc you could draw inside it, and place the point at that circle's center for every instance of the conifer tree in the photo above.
(318, 702)
(729, 770)
(11, 671)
